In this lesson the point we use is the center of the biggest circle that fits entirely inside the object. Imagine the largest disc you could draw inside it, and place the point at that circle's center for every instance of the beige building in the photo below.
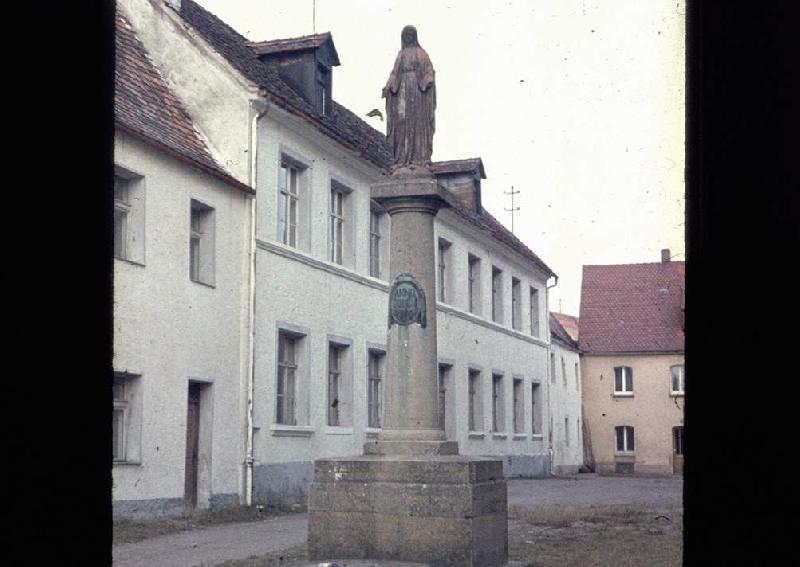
(632, 373)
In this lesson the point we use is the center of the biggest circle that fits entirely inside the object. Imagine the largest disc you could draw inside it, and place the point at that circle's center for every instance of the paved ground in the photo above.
(210, 546)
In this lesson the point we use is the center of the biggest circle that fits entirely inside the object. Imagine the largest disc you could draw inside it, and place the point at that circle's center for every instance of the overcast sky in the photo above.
(578, 104)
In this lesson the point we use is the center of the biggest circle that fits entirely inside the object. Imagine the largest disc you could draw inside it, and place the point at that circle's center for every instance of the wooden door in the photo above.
(677, 450)
(192, 442)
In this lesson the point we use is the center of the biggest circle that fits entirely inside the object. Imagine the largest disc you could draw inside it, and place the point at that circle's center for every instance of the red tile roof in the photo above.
(146, 108)
(569, 322)
(559, 333)
(632, 308)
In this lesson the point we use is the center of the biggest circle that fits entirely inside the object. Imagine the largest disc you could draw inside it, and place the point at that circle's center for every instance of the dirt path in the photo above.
(210, 546)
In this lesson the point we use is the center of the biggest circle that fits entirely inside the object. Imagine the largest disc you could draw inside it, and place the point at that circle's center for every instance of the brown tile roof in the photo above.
(293, 44)
(569, 322)
(468, 165)
(145, 107)
(632, 308)
(558, 332)
(341, 124)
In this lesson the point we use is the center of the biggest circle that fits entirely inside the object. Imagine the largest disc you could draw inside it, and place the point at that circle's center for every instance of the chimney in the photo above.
(463, 179)
(665, 255)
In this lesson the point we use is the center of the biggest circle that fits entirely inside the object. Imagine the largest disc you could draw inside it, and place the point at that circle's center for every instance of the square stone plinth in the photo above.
(437, 510)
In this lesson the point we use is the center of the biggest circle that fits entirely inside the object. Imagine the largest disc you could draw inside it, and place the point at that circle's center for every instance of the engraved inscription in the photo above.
(406, 301)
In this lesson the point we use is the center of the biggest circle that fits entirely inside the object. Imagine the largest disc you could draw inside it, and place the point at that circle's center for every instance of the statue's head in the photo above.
(408, 36)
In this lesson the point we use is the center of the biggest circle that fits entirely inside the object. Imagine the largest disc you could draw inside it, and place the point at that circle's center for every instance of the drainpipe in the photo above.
(258, 109)
(549, 379)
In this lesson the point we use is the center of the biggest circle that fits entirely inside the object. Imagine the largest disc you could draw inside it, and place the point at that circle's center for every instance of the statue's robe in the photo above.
(410, 105)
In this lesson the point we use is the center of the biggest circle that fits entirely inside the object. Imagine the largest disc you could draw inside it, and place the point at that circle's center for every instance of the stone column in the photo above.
(411, 392)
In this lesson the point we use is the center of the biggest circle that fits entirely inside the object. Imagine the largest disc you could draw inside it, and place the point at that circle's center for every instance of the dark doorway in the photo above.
(677, 450)
(192, 444)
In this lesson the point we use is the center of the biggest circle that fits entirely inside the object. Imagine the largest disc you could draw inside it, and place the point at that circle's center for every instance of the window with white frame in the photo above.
(623, 380)
(474, 275)
(288, 347)
(516, 304)
(126, 418)
(201, 243)
(577, 378)
(444, 374)
(534, 301)
(624, 439)
(519, 423)
(289, 192)
(563, 372)
(377, 240)
(552, 368)
(128, 216)
(498, 404)
(566, 431)
(337, 229)
(678, 382)
(375, 372)
(497, 294)
(334, 382)
(475, 400)
(339, 384)
(443, 271)
(536, 409)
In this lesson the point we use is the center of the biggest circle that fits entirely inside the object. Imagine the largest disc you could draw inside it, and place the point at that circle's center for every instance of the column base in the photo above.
(439, 510)
(408, 448)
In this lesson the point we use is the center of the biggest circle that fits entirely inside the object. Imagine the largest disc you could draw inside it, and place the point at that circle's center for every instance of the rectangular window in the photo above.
(677, 440)
(374, 242)
(516, 305)
(289, 185)
(536, 411)
(126, 418)
(498, 403)
(128, 216)
(444, 369)
(577, 378)
(334, 382)
(623, 380)
(519, 423)
(375, 388)
(475, 401)
(563, 372)
(201, 243)
(566, 431)
(474, 284)
(534, 297)
(624, 436)
(552, 368)
(287, 377)
(678, 380)
(442, 270)
(497, 295)
(337, 222)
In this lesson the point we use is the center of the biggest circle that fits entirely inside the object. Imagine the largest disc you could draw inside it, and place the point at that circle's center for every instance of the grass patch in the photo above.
(291, 557)
(128, 531)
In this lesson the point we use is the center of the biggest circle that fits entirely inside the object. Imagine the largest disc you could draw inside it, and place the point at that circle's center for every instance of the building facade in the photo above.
(633, 379)
(309, 368)
(566, 428)
(180, 307)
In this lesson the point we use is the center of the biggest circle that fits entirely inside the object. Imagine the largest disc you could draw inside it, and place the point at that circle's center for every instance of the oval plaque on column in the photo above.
(406, 301)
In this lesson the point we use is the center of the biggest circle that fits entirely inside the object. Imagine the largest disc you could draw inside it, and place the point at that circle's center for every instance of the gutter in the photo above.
(549, 376)
(258, 109)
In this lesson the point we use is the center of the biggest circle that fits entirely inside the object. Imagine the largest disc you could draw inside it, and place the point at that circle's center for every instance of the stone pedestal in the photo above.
(410, 497)
(440, 511)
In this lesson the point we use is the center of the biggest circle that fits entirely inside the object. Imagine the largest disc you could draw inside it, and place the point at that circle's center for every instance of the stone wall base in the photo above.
(442, 510)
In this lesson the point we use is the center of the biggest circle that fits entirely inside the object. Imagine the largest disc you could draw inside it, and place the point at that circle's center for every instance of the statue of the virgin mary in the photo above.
(410, 96)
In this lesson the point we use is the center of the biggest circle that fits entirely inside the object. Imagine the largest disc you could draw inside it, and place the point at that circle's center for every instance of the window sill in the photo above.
(520, 437)
(372, 432)
(281, 430)
(476, 434)
(337, 430)
(499, 435)
(212, 286)
(132, 262)
(624, 456)
(537, 436)
(676, 394)
(127, 463)
(622, 395)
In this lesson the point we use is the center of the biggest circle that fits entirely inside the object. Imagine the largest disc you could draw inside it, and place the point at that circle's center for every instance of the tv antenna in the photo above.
(513, 208)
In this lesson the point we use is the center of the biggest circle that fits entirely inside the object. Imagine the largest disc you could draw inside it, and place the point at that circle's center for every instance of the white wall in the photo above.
(169, 329)
(565, 402)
